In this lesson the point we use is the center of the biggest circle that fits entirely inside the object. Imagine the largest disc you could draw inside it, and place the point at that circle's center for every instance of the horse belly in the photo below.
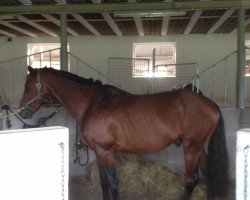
(147, 140)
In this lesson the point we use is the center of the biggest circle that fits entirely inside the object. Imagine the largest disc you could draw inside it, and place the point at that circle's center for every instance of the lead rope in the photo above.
(62, 169)
(13, 113)
(245, 150)
(79, 148)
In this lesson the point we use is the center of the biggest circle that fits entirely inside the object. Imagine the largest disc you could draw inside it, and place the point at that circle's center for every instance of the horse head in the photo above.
(36, 94)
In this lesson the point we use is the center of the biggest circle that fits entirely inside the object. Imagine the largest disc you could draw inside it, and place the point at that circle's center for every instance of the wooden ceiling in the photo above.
(194, 21)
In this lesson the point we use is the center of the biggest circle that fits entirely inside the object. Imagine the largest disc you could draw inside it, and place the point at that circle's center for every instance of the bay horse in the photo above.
(112, 120)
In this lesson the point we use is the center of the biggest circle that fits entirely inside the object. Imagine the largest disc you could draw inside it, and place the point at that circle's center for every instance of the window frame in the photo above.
(49, 55)
(161, 59)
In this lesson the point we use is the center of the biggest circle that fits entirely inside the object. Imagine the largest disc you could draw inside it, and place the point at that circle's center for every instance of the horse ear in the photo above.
(30, 69)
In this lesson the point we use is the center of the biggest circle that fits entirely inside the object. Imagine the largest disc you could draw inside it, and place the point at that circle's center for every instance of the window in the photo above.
(165, 59)
(44, 54)
(248, 58)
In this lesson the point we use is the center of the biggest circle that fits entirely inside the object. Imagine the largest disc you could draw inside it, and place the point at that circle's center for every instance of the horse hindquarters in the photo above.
(217, 162)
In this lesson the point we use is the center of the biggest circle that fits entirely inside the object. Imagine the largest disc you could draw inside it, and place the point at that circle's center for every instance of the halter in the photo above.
(38, 93)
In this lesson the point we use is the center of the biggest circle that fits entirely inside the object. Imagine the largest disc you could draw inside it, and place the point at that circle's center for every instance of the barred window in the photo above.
(165, 59)
(44, 54)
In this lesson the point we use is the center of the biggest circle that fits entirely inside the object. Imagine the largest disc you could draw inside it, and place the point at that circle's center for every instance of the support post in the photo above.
(64, 42)
(241, 59)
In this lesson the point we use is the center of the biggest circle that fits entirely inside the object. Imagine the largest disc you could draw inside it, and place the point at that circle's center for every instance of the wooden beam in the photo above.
(164, 27)
(61, 1)
(220, 21)
(7, 33)
(17, 28)
(112, 24)
(97, 1)
(139, 26)
(247, 22)
(192, 22)
(57, 22)
(112, 7)
(26, 2)
(84, 22)
(36, 25)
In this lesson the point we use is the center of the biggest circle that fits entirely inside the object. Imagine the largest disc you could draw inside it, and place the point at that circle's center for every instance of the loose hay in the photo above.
(136, 174)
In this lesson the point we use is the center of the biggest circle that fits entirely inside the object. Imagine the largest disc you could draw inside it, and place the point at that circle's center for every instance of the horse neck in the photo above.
(73, 96)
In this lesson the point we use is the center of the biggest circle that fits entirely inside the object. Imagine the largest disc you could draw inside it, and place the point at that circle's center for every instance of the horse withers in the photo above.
(112, 120)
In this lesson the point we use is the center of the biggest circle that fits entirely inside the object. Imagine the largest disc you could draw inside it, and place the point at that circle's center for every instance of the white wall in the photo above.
(204, 50)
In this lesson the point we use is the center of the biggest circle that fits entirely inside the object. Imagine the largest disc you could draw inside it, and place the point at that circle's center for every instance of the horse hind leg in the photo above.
(191, 154)
(203, 168)
(190, 184)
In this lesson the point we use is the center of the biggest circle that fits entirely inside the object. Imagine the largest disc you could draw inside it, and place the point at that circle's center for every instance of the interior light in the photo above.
(152, 13)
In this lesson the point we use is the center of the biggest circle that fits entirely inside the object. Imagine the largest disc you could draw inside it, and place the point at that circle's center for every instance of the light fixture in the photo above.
(152, 13)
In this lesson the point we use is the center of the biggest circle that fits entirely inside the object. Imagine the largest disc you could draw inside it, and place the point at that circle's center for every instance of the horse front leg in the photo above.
(108, 176)
(104, 182)
(113, 183)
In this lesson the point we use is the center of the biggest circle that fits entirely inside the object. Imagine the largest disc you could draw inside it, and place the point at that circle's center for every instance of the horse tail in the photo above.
(218, 162)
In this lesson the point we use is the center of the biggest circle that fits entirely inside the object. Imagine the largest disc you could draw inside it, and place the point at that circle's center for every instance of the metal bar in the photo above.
(49, 58)
(197, 79)
(241, 59)
(6, 61)
(29, 60)
(225, 84)
(41, 60)
(10, 81)
(211, 66)
(213, 84)
(90, 67)
(154, 66)
(111, 7)
(64, 42)
(176, 64)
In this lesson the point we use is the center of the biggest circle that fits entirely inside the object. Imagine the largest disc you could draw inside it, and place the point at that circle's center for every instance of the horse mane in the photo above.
(89, 81)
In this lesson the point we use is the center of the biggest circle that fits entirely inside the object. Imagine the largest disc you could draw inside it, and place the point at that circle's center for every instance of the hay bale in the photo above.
(136, 174)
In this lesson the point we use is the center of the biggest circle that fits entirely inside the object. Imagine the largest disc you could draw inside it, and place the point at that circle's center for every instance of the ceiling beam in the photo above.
(220, 21)
(111, 7)
(36, 25)
(112, 24)
(164, 27)
(61, 1)
(17, 28)
(7, 33)
(247, 22)
(139, 26)
(26, 2)
(97, 1)
(84, 22)
(192, 21)
(57, 22)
